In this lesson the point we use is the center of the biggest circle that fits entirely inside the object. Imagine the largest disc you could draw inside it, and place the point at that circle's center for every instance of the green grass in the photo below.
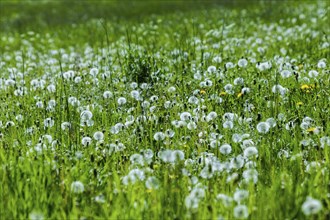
(162, 46)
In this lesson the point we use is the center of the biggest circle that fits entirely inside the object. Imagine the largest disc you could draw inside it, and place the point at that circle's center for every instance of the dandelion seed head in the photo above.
(242, 63)
(241, 212)
(86, 141)
(313, 74)
(263, 127)
(77, 187)
(98, 136)
(225, 149)
(311, 206)
(121, 101)
(250, 152)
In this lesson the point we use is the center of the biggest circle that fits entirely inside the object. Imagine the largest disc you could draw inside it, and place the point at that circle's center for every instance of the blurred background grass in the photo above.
(21, 15)
(36, 15)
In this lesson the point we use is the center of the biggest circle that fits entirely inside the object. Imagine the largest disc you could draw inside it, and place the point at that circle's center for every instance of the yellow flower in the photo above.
(310, 130)
(239, 95)
(304, 86)
(300, 103)
(202, 92)
(223, 93)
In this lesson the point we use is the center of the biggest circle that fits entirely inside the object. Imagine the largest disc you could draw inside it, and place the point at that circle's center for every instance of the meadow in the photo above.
(164, 109)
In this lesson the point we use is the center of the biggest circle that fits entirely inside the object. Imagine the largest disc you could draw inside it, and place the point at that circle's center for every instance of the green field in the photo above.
(164, 109)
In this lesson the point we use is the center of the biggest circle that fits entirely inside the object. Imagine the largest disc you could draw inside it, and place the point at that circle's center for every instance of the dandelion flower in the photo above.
(311, 206)
(240, 195)
(225, 149)
(85, 141)
(121, 101)
(159, 136)
(185, 116)
(263, 127)
(136, 159)
(98, 136)
(250, 152)
(313, 74)
(86, 115)
(321, 64)
(77, 187)
(226, 200)
(241, 211)
(251, 175)
(239, 81)
(152, 183)
(191, 202)
(191, 125)
(271, 122)
(36, 216)
(211, 69)
(93, 72)
(228, 125)
(49, 122)
(107, 95)
(99, 199)
(237, 162)
(211, 116)
(242, 63)
(286, 74)
(229, 65)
